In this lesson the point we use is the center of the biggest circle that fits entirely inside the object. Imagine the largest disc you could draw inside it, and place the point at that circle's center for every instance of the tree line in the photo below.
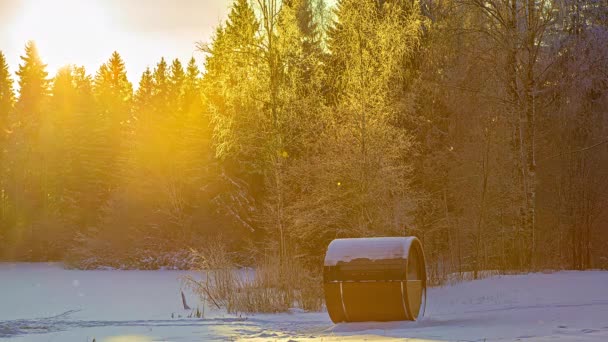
(478, 126)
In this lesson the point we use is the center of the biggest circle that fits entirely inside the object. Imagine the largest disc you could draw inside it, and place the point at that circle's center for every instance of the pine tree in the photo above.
(113, 91)
(195, 129)
(234, 102)
(144, 94)
(69, 138)
(176, 89)
(306, 46)
(7, 98)
(28, 185)
(232, 87)
(192, 101)
(33, 86)
(194, 117)
(114, 96)
(161, 89)
(309, 28)
(83, 191)
(55, 130)
(197, 126)
(242, 25)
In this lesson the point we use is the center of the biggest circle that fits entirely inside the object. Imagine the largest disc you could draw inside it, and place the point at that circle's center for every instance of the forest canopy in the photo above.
(480, 127)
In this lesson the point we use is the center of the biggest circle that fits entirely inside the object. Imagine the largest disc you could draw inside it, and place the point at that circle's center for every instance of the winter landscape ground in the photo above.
(44, 302)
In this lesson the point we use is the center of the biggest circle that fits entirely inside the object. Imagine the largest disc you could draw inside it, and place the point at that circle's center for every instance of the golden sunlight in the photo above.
(67, 31)
(303, 169)
(87, 32)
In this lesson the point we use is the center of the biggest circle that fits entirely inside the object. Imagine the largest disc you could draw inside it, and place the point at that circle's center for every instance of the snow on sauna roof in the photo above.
(378, 248)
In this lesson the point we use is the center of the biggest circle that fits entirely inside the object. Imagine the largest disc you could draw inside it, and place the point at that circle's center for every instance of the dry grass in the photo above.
(274, 286)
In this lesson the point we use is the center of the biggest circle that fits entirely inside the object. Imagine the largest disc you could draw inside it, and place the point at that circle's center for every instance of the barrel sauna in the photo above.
(375, 279)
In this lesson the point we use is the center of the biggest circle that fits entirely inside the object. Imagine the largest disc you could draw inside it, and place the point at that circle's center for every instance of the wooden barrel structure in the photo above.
(375, 279)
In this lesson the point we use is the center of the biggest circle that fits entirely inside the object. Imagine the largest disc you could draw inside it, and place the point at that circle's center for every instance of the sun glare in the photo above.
(66, 31)
(86, 32)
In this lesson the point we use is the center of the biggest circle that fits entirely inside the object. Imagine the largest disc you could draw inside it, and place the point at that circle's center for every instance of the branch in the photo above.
(576, 151)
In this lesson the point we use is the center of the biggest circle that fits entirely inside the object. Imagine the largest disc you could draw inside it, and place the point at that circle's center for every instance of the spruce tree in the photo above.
(232, 70)
(33, 87)
(161, 88)
(242, 24)
(57, 145)
(192, 88)
(83, 191)
(176, 88)
(113, 90)
(114, 96)
(309, 28)
(7, 98)
(28, 190)
(144, 94)
(235, 101)
(195, 125)
(194, 115)
(194, 152)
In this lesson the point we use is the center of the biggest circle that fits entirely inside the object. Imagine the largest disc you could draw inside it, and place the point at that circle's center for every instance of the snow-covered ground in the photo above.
(43, 302)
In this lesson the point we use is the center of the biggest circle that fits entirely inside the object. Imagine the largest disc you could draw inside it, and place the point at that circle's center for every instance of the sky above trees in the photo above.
(87, 32)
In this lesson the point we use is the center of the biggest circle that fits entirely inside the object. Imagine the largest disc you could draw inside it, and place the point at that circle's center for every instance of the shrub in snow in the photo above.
(273, 286)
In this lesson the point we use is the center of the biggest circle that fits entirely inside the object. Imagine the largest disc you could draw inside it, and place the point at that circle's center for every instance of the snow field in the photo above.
(44, 302)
